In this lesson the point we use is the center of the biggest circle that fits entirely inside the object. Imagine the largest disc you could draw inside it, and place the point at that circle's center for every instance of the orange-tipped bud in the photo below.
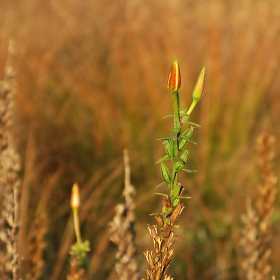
(174, 77)
(199, 86)
(75, 197)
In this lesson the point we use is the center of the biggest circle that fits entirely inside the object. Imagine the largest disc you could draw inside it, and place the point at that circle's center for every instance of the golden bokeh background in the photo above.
(91, 81)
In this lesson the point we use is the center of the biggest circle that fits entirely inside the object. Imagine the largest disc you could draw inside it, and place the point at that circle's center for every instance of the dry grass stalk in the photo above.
(250, 243)
(122, 230)
(265, 203)
(163, 238)
(37, 246)
(9, 168)
(76, 272)
(256, 231)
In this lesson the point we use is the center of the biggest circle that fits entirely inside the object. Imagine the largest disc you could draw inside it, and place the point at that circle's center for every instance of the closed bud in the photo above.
(75, 197)
(199, 86)
(174, 77)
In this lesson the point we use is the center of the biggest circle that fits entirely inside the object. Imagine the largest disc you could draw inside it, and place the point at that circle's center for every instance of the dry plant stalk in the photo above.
(37, 246)
(160, 258)
(265, 203)
(76, 272)
(9, 179)
(122, 230)
(256, 230)
(250, 242)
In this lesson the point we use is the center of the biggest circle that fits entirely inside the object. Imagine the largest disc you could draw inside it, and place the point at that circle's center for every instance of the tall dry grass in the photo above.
(91, 81)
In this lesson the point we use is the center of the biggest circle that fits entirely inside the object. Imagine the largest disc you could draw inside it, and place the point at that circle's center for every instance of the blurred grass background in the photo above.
(91, 80)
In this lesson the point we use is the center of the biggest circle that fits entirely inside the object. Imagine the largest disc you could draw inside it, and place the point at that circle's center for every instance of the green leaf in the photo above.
(166, 157)
(174, 148)
(175, 202)
(162, 194)
(167, 145)
(178, 166)
(175, 130)
(176, 191)
(188, 132)
(160, 185)
(183, 140)
(168, 116)
(194, 124)
(184, 156)
(165, 173)
(179, 160)
(188, 139)
(166, 138)
(184, 197)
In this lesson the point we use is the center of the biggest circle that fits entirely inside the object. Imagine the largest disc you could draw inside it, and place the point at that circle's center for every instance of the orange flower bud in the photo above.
(174, 77)
(75, 197)
(199, 86)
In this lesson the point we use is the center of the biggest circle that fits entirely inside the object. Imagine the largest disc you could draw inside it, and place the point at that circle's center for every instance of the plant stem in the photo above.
(191, 107)
(76, 225)
(176, 105)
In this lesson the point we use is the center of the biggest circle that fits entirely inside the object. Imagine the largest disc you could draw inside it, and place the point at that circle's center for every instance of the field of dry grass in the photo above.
(91, 81)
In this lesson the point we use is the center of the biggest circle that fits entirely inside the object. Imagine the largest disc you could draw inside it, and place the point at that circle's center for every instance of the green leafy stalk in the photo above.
(170, 165)
(176, 104)
(175, 145)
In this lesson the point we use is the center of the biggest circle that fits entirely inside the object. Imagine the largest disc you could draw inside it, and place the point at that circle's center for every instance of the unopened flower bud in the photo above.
(75, 197)
(199, 86)
(174, 77)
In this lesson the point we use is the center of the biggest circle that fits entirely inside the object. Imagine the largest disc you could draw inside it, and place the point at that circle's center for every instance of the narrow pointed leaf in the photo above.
(166, 138)
(160, 185)
(178, 159)
(162, 194)
(165, 173)
(153, 214)
(184, 197)
(194, 124)
(168, 116)
(166, 157)
(188, 139)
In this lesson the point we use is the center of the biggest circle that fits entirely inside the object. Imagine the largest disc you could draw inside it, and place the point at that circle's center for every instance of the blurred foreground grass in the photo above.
(91, 81)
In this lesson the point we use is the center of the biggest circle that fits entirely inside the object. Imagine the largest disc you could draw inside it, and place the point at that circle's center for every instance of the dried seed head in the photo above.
(153, 231)
(166, 202)
(166, 232)
(159, 220)
(158, 274)
(176, 213)
(157, 246)
(167, 206)
(172, 238)
(149, 258)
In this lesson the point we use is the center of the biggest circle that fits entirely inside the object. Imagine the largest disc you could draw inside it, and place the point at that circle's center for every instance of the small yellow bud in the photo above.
(199, 86)
(75, 197)
(174, 77)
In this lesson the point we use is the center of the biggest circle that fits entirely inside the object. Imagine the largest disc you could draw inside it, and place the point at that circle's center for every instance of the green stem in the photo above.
(191, 107)
(76, 225)
(176, 130)
(176, 105)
